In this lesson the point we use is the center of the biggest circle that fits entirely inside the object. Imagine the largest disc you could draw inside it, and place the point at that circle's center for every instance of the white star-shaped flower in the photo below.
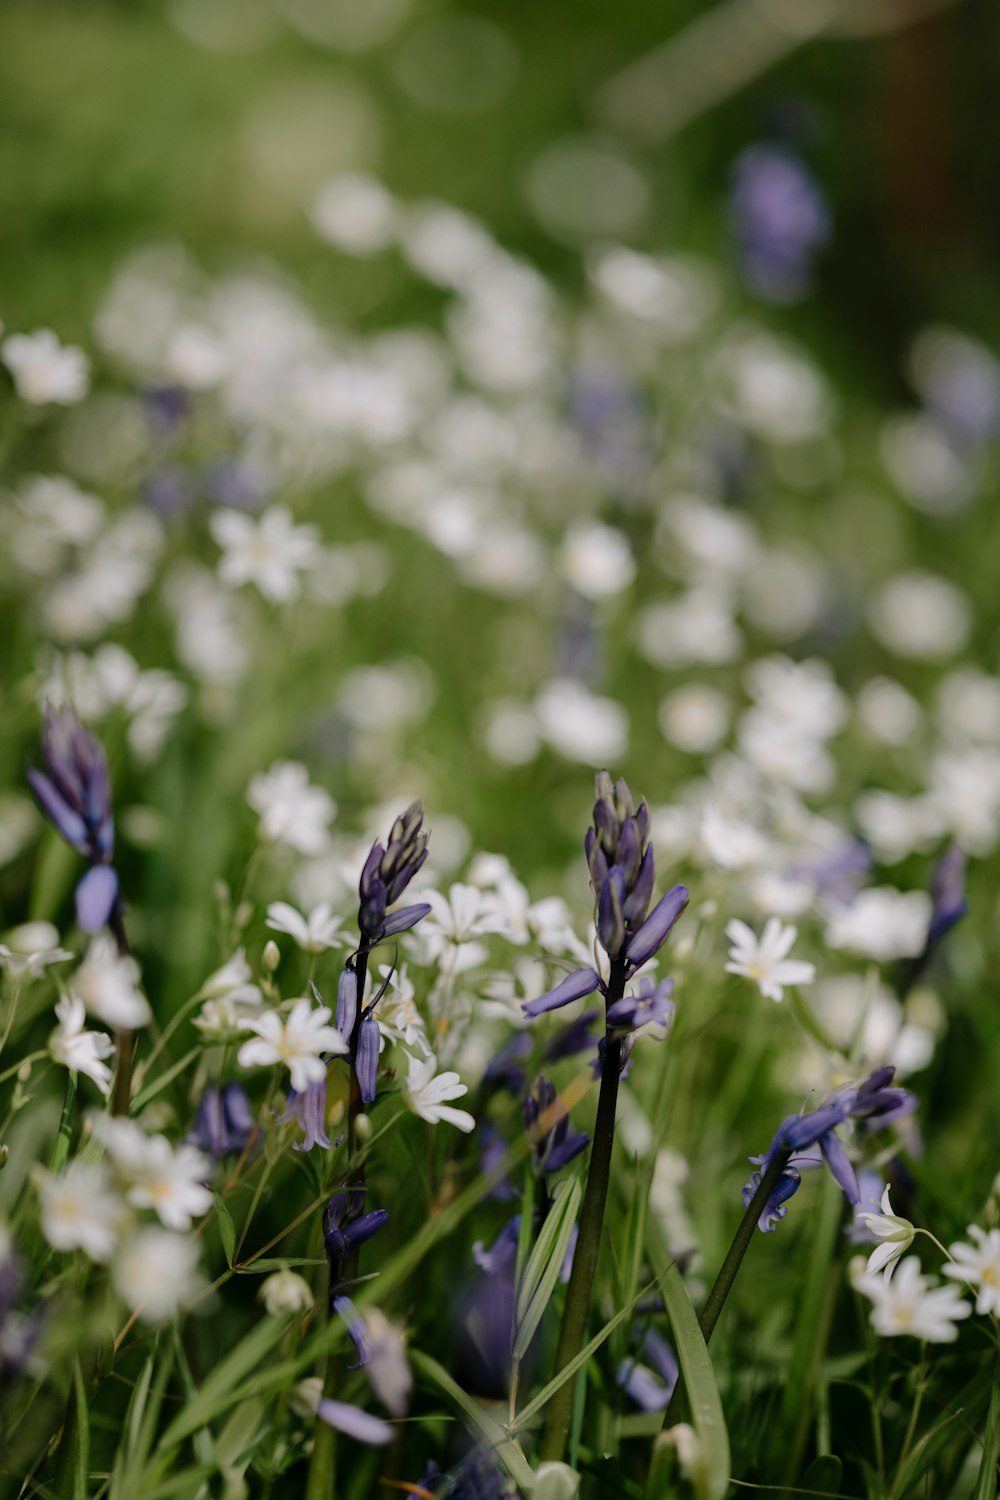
(298, 1042)
(910, 1303)
(427, 1094)
(270, 552)
(979, 1265)
(765, 959)
(44, 370)
(154, 1174)
(314, 932)
(80, 1210)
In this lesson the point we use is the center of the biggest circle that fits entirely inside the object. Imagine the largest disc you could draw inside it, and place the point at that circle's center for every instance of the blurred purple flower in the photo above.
(779, 220)
(75, 796)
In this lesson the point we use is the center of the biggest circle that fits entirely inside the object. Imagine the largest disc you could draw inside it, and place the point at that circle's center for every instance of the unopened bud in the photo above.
(242, 914)
(363, 1127)
(271, 956)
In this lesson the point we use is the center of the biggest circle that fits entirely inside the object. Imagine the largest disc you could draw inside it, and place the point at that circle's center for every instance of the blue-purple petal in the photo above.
(573, 987)
(96, 895)
(405, 918)
(355, 1422)
(657, 926)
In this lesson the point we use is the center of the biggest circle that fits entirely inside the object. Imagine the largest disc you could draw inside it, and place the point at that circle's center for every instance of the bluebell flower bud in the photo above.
(345, 1225)
(308, 1108)
(573, 987)
(366, 1062)
(347, 1002)
(657, 927)
(611, 912)
(75, 796)
(386, 874)
(224, 1122)
(546, 1120)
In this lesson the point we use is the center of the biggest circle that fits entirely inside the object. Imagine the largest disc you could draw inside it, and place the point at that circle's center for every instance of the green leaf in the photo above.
(227, 1229)
(217, 1393)
(544, 1264)
(80, 1469)
(699, 1379)
(478, 1417)
(986, 1481)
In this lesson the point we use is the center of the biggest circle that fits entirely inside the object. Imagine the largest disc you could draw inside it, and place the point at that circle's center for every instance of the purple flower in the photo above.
(652, 1006)
(75, 796)
(224, 1122)
(347, 1002)
(308, 1108)
(386, 874)
(650, 1389)
(504, 1070)
(503, 1250)
(366, 1062)
(356, 1423)
(779, 219)
(574, 1038)
(357, 1329)
(573, 987)
(546, 1119)
(345, 1225)
(949, 904)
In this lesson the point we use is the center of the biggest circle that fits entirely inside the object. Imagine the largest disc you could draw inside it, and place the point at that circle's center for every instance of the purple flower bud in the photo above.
(357, 1329)
(652, 1006)
(546, 1119)
(347, 1002)
(504, 1070)
(387, 873)
(405, 918)
(629, 852)
(638, 898)
(610, 912)
(356, 1423)
(947, 894)
(503, 1250)
(345, 1224)
(779, 220)
(573, 987)
(366, 1062)
(657, 926)
(774, 1209)
(96, 895)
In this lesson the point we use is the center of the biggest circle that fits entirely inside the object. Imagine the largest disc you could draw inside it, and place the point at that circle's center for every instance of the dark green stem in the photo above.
(588, 1244)
(322, 1464)
(716, 1299)
(126, 1039)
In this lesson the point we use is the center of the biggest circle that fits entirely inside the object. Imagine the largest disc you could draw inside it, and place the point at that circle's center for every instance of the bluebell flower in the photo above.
(354, 1422)
(650, 1389)
(357, 1329)
(546, 1119)
(948, 900)
(386, 874)
(224, 1121)
(504, 1070)
(366, 1062)
(75, 796)
(493, 1149)
(503, 1251)
(651, 1006)
(839, 875)
(573, 1038)
(347, 1002)
(345, 1225)
(308, 1108)
(622, 875)
(779, 219)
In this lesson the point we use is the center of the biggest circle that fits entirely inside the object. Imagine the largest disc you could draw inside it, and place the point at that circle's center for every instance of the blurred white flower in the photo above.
(79, 1209)
(925, 466)
(356, 214)
(695, 718)
(979, 1266)
(909, 1303)
(579, 724)
(298, 1042)
(801, 694)
(314, 933)
(964, 795)
(427, 1094)
(44, 370)
(968, 705)
(888, 712)
(108, 986)
(596, 560)
(920, 615)
(510, 732)
(270, 552)
(897, 826)
(155, 1272)
(154, 1174)
(292, 811)
(765, 959)
(695, 627)
(730, 842)
(285, 1291)
(196, 358)
(30, 949)
(210, 628)
(882, 923)
(79, 1050)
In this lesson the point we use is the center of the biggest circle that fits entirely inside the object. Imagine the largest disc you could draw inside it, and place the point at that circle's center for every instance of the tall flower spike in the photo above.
(75, 796)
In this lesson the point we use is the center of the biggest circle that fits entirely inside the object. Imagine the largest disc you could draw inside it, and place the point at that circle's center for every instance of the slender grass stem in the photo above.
(716, 1299)
(125, 1046)
(588, 1245)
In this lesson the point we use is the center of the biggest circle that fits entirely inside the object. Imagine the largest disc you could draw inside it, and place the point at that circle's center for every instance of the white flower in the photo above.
(979, 1266)
(728, 842)
(291, 810)
(80, 1210)
(356, 214)
(882, 923)
(270, 553)
(285, 1291)
(298, 1042)
(155, 1272)
(313, 933)
(106, 983)
(694, 718)
(920, 615)
(232, 982)
(910, 1303)
(802, 694)
(172, 1182)
(888, 712)
(596, 560)
(895, 1234)
(765, 959)
(426, 1094)
(579, 724)
(45, 370)
(448, 934)
(30, 949)
(79, 1050)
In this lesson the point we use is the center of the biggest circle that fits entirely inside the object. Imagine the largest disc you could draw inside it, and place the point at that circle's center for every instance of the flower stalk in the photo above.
(716, 1299)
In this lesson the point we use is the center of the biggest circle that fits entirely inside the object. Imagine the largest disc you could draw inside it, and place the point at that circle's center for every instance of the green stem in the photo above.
(588, 1245)
(716, 1299)
(322, 1465)
(126, 1039)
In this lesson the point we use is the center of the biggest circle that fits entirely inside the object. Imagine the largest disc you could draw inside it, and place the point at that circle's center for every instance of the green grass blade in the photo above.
(699, 1381)
(488, 1428)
